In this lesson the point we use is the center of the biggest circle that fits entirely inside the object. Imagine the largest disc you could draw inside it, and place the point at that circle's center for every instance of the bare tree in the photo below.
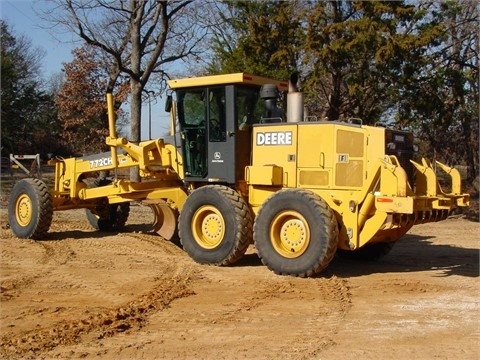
(139, 39)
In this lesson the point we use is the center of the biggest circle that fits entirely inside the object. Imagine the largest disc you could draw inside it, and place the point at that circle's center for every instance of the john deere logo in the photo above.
(274, 138)
(217, 157)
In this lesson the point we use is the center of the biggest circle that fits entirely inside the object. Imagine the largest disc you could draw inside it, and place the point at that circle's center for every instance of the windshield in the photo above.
(191, 106)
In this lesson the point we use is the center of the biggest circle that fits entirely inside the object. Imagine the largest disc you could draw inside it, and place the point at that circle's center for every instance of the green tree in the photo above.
(356, 53)
(440, 100)
(258, 37)
(28, 116)
(348, 53)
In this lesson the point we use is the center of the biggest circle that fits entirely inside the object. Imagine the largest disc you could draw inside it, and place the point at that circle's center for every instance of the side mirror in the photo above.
(168, 103)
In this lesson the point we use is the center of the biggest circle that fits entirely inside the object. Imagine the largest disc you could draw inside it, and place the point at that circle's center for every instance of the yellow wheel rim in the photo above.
(208, 227)
(23, 210)
(290, 234)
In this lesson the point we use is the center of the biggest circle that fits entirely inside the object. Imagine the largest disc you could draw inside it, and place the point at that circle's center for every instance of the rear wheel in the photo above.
(30, 209)
(215, 225)
(296, 233)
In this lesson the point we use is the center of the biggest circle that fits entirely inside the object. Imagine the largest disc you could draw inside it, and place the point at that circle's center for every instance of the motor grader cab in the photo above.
(243, 170)
(215, 115)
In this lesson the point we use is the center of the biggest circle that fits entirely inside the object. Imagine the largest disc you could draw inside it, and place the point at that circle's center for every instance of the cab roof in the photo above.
(226, 79)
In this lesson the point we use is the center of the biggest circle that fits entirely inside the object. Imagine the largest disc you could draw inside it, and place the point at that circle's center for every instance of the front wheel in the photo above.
(30, 209)
(215, 225)
(296, 233)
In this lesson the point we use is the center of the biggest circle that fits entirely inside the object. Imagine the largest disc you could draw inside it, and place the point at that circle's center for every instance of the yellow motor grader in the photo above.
(243, 171)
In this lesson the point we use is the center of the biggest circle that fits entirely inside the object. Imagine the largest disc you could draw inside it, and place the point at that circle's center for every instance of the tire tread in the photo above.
(243, 220)
(40, 225)
(330, 248)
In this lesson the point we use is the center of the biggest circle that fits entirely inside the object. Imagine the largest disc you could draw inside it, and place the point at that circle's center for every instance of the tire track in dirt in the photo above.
(164, 245)
(75, 219)
(324, 312)
(66, 269)
(46, 256)
(17, 272)
(98, 324)
(239, 305)
(56, 253)
(231, 306)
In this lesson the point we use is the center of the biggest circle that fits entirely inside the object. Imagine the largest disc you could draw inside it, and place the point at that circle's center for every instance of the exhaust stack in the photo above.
(294, 100)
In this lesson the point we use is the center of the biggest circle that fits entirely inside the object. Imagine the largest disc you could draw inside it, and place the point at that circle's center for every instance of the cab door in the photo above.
(216, 129)
(192, 115)
(221, 135)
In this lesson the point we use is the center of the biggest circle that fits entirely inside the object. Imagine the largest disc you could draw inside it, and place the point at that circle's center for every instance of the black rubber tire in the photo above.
(112, 218)
(215, 225)
(108, 217)
(304, 216)
(30, 209)
(370, 252)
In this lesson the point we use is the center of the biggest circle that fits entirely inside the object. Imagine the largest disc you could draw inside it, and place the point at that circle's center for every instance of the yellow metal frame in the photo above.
(157, 161)
(225, 79)
(382, 209)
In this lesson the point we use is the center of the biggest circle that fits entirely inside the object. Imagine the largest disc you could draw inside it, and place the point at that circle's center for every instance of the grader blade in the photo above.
(165, 218)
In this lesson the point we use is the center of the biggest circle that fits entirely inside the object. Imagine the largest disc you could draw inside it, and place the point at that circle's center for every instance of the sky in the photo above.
(23, 19)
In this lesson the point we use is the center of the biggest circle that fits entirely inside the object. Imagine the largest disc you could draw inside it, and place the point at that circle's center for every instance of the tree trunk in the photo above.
(135, 79)
(335, 101)
(470, 154)
(135, 120)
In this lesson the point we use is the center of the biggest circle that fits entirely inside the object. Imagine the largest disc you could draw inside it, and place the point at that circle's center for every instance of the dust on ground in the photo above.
(132, 295)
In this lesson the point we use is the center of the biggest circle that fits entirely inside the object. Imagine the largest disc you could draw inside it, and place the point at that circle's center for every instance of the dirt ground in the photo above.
(132, 295)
